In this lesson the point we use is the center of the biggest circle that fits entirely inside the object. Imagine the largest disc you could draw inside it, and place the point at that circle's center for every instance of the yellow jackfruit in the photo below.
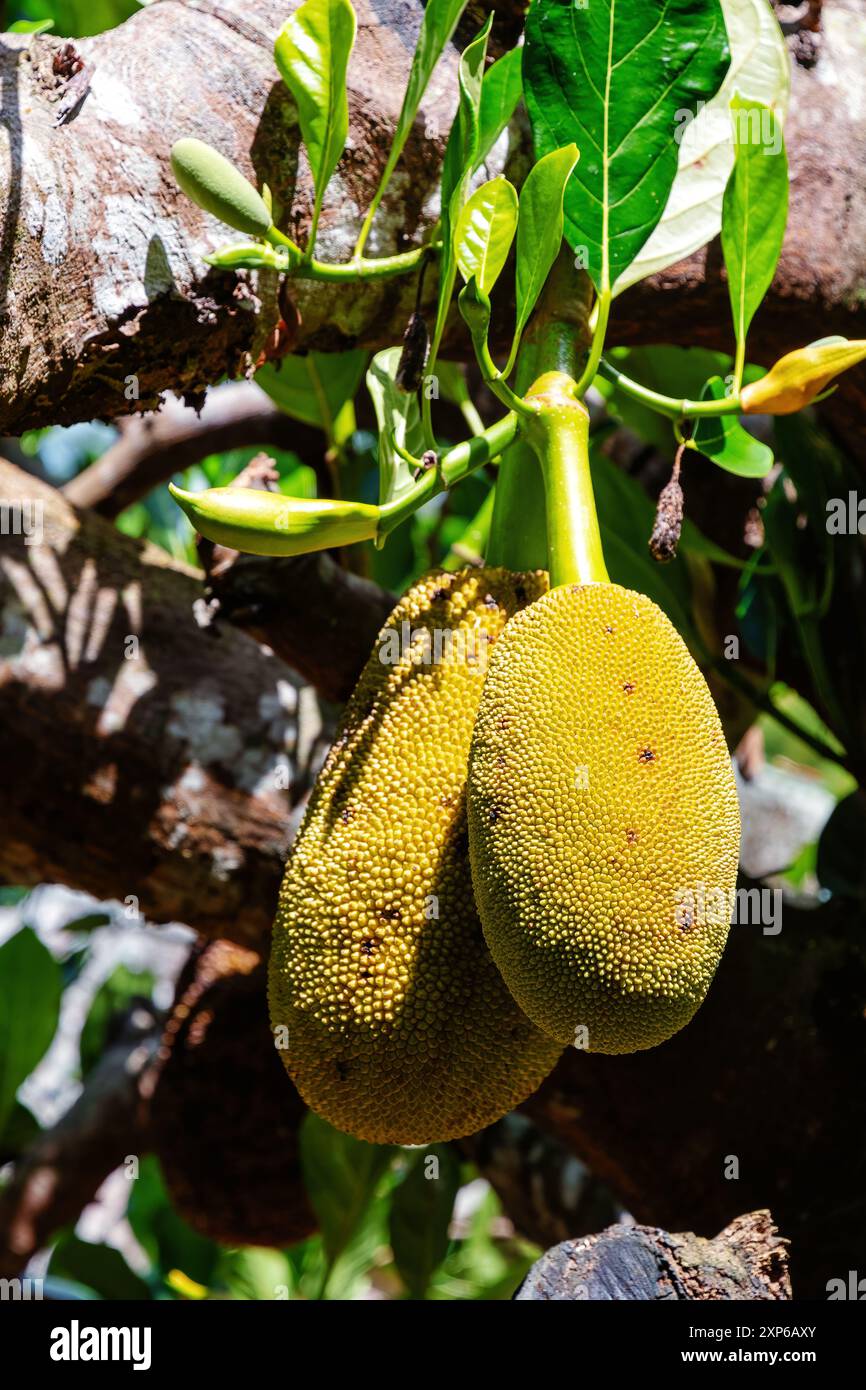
(603, 819)
(399, 1028)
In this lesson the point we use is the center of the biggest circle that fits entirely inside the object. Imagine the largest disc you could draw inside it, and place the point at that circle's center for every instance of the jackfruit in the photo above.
(603, 819)
(225, 1122)
(398, 1026)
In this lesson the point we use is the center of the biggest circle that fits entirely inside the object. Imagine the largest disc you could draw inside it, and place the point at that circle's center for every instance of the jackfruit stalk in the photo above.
(396, 1024)
(603, 817)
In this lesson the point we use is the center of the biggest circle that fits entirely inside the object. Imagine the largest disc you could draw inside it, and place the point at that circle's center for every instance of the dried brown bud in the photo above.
(669, 519)
(413, 358)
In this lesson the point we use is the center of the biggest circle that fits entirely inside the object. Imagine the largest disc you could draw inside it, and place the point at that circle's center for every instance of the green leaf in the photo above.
(30, 989)
(755, 211)
(167, 1240)
(421, 1210)
(611, 78)
(19, 1131)
(112, 998)
(460, 155)
(484, 232)
(312, 54)
(314, 388)
(341, 1175)
(723, 439)
(501, 90)
(437, 27)
(539, 231)
(398, 417)
(760, 70)
(30, 26)
(98, 1267)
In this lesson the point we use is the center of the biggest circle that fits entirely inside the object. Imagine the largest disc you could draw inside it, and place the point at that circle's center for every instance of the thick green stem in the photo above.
(554, 341)
(559, 433)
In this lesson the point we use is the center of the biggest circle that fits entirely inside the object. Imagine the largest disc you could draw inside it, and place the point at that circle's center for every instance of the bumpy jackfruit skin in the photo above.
(399, 1026)
(603, 819)
(225, 1120)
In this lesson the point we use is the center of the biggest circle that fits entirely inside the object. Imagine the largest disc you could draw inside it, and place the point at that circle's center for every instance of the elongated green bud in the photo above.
(800, 376)
(251, 255)
(266, 523)
(213, 183)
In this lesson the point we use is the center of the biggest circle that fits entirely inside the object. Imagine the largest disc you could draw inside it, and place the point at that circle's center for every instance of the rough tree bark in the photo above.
(745, 1261)
(102, 257)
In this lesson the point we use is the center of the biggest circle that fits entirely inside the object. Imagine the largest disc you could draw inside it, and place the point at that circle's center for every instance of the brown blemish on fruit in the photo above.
(629, 687)
(646, 755)
(631, 837)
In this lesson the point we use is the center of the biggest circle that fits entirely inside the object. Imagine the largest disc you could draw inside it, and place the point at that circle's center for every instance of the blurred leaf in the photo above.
(484, 232)
(754, 211)
(723, 439)
(19, 1131)
(312, 54)
(397, 416)
(467, 544)
(314, 388)
(30, 989)
(11, 896)
(501, 90)
(841, 865)
(78, 18)
(255, 1273)
(112, 998)
(30, 26)
(421, 1211)
(165, 1237)
(341, 1174)
(88, 921)
(98, 1267)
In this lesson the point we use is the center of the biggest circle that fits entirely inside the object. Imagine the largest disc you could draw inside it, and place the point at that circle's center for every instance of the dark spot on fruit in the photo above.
(364, 974)
(520, 593)
(493, 814)
(368, 946)
(646, 755)
(461, 844)
(608, 627)
(631, 837)
(347, 814)
(448, 799)
(629, 687)
(342, 1069)
(439, 594)
(686, 921)
(503, 721)
(501, 760)
(389, 914)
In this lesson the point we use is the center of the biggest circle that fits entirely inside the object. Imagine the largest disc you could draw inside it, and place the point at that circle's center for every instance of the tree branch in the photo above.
(747, 1260)
(63, 1169)
(153, 447)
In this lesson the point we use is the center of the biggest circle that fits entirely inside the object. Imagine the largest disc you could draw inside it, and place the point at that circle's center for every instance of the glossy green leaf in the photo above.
(760, 70)
(30, 988)
(398, 418)
(341, 1175)
(312, 55)
(755, 210)
(421, 1210)
(539, 231)
(611, 78)
(501, 90)
(723, 439)
(460, 155)
(484, 232)
(314, 388)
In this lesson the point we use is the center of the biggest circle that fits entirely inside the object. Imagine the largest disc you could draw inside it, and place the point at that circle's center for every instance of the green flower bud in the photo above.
(252, 255)
(266, 523)
(214, 184)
